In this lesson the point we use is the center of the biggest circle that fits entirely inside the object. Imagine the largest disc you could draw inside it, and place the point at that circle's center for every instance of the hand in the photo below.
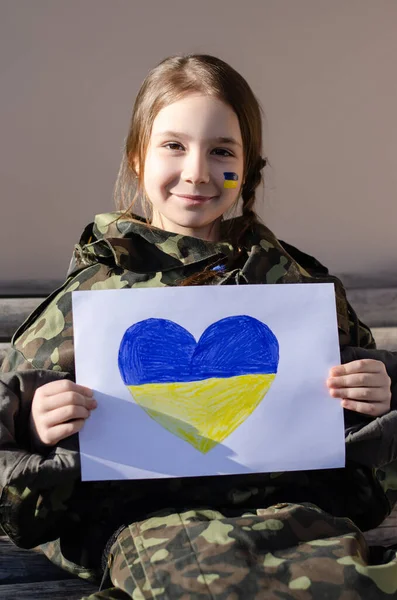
(363, 385)
(59, 409)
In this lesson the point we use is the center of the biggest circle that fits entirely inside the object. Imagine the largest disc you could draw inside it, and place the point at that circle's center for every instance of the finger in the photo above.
(64, 385)
(371, 380)
(64, 414)
(367, 365)
(49, 403)
(360, 394)
(60, 432)
(365, 408)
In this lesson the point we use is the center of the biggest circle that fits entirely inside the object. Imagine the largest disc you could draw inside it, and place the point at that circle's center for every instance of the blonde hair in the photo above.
(168, 82)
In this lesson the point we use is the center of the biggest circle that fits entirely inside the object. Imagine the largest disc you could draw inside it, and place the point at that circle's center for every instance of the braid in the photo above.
(252, 181)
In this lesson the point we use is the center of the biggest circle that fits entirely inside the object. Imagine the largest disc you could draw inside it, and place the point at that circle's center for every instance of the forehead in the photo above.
(198, 114)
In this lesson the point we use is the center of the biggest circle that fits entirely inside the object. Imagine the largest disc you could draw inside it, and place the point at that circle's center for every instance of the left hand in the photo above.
(363, 386)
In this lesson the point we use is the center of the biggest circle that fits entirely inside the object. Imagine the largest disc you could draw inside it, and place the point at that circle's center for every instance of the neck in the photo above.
(209, 232)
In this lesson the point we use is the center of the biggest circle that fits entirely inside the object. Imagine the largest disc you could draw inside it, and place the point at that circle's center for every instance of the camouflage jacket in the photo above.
(43, 500)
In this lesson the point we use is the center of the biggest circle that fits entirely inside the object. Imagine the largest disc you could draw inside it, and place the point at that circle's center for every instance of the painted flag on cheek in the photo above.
(199, 391)
(230, 181)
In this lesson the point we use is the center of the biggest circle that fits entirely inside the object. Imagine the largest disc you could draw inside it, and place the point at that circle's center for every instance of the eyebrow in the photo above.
(219, 140)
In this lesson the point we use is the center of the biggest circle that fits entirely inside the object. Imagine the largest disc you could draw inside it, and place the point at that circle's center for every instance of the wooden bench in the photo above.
(28, 574)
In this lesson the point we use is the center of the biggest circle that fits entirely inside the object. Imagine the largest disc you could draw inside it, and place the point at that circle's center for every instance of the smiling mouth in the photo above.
(194, 198)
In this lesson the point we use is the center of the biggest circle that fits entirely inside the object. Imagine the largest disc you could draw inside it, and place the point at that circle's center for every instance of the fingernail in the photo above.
(93, 404)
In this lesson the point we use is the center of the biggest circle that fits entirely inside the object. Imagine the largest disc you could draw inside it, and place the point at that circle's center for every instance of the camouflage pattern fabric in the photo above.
(285, 551)
(114, 253)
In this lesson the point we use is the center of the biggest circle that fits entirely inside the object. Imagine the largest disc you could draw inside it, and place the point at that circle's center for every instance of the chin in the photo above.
(195, 221)
(196, 215)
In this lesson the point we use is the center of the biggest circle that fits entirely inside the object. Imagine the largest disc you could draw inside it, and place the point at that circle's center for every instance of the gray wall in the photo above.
(325, 72)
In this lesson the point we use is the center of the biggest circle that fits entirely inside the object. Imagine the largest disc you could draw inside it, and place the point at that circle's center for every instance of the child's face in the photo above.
(185, 165)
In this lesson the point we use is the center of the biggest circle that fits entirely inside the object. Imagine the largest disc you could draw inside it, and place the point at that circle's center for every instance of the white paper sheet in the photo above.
(185, 424)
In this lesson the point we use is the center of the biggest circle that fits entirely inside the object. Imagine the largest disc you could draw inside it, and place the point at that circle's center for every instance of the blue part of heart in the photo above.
(160, 351)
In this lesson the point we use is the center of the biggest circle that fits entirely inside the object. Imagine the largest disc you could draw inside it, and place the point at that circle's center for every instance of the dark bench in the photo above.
(28, 574)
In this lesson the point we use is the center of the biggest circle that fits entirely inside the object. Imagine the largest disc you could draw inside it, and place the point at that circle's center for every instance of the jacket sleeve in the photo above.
(373, 442)
(38, 491)
(360, 334)
(34, 489)
(45, 339)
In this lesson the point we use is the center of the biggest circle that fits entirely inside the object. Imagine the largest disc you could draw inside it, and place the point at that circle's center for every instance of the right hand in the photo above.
(59, 409)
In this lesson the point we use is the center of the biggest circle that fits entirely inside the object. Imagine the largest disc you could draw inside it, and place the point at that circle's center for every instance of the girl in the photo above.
(193, 149)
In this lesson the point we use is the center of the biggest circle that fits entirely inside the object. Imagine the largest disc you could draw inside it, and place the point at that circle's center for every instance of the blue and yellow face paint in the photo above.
(199, 391)
(231, 180)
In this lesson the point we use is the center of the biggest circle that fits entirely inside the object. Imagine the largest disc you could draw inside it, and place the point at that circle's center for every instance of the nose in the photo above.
(196, 169)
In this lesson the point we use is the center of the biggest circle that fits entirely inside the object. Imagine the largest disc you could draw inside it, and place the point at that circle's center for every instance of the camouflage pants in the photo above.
(287, 552)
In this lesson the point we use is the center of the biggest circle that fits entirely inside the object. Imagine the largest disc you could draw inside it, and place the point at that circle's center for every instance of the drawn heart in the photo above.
(199, 391)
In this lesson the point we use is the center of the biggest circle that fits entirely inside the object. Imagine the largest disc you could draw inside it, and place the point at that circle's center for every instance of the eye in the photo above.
(222, 151)
(171, 146)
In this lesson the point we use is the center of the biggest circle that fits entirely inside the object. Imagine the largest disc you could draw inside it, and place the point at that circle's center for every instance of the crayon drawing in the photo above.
(199, 391)
(181, 376)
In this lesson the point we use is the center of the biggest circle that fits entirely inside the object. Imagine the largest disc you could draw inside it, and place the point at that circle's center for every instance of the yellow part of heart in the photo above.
(205, 412)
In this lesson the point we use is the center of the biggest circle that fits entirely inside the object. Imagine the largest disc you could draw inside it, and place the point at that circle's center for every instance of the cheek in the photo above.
(154, 164)
(162, 172)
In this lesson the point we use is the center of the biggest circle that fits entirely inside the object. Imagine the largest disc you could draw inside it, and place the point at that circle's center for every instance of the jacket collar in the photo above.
(134, 245)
